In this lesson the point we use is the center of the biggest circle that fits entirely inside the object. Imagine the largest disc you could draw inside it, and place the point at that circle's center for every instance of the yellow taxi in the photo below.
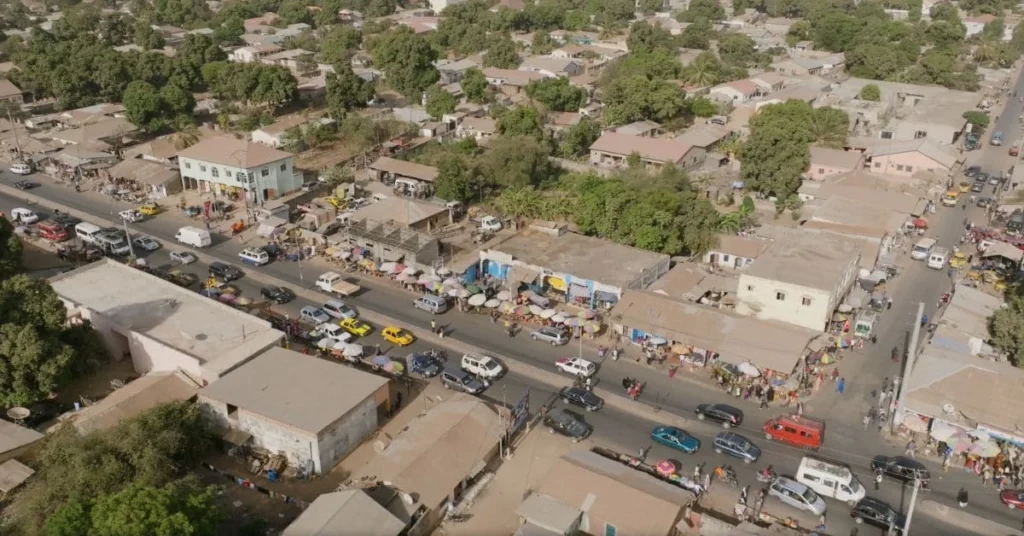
(951, 198)
(150, 209)
(397, 335)
(356, 327)
(965, 187)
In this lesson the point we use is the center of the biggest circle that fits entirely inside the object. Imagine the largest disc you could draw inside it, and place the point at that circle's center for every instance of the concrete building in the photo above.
(159, 325)
(454, 71)
(134, 399)
(410, 178)
(274, 134)
(479, 128)
(586, 271)
(422, 216)
(909, 157)
(799, 66)
(345, 513)
(640, 129)
(254, 53)
(799, 281)
(738, 91)
(10, 92)
(613, 149)
(159, 180)
(735, 252)
(225, 164)
(551, 67)
(976, 25)
(511, 81)
(827, 163)
(311, 410)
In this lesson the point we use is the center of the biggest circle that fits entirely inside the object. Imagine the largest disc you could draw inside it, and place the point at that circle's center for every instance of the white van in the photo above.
(113, 243)
(87, 232)
(255, 256)
(482, 366)
(193, 236)
(938, 257)
(830, 479)
(921, 249)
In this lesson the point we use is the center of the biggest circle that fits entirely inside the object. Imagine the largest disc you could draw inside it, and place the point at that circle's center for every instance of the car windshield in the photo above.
(490, 365)
(810, 496)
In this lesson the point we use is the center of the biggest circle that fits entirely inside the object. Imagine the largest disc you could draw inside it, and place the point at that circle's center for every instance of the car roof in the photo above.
(875, 503)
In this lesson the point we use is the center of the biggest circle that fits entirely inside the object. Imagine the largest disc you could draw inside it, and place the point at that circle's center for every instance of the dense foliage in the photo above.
(407, 59)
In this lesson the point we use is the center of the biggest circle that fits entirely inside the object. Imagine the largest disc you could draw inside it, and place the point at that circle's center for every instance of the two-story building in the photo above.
(224, 163)
(254, 53)
(735, 252)
(800, 281)
(454, 71)
(613, 149)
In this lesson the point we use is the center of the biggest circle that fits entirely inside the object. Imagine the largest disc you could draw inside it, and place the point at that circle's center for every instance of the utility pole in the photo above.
(913, 503)
(128, 238)
(911, 357)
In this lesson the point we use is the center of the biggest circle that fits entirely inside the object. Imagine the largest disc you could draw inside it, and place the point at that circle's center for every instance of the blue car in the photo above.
(424, 365)
(676, 438)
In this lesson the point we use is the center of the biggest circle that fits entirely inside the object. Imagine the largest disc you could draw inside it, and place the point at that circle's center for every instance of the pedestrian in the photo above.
(644, 451)
(764, 401)
(433, 324)
(696, 472)
(910, 448)
(867, 421)
(821, 523)
(707, 482)
(398, 401)
(743, 494)
(986, 475)
(799, 408)
(835, 374)
(878, 478)
(841, 385)
(945, 463)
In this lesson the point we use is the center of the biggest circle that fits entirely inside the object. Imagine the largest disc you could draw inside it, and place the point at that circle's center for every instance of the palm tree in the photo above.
(829, 127)
(730, 223)
(518, 202)
(701, 73)
(186, 136)
(730, 147)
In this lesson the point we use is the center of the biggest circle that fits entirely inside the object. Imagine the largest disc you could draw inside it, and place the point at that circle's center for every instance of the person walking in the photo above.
(433, 324)
(910, 448)
(398, 401)
(867, 421)
(986, 476)
(643, 452)
(841, 386)
(878, 478)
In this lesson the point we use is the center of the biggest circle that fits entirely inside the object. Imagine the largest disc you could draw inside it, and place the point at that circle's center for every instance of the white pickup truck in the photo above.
(490, 223)
(332, 283)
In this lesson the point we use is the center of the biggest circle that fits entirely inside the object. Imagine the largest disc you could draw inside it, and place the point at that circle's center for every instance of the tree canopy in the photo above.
(252, 83)
(347, 91)
(440, 102)
(502, 54)
(11, 250)
(1006, 327)
(557, 94)
(407, 59)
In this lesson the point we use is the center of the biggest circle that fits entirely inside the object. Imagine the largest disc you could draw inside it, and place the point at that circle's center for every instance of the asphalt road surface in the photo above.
(847, 440)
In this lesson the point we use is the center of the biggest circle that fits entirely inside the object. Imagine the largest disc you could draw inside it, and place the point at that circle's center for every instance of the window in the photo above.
(725, 258)
(910, 168)
(920, 134)
(609, 529)
(750, 288)
(264, 172)
(284, 167)
(188, 165)
(886, 135)
(821, 171)
(780, 296)
(805, 301)
(215, 172)
(878, 164)
(810, 477)
(899, 167)
(202, 167)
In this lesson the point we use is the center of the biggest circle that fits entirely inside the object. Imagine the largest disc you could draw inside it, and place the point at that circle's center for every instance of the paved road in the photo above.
(847, 440)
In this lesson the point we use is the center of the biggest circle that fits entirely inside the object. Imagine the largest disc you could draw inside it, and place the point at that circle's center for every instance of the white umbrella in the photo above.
(324, 343)
(459, 292)
(343, 254)
(749, 369)
(504, 295)
(450, 282)
(425, 280)
(657, 341)
(409, 270)
(443, 271)
(547, 313)
(352, 350)
(388, 266)
(339, 345)
(536, 309)
(406, 278)
(477, 300)
(492, 303)
(558, 318)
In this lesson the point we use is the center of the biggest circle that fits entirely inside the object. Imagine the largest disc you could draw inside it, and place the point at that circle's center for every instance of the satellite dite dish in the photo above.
(18, 414)
(948, 408)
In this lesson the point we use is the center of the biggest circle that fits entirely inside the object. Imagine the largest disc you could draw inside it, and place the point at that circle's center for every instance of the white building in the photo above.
(274, 134)
(254, 53)
(162, 327)
(438, 5)
(799, 281)
(309, 409)
(225, 163)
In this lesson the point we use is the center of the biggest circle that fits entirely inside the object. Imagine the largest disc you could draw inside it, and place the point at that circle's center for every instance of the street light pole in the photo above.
(128, 238)
(913, 503)
(911, 356)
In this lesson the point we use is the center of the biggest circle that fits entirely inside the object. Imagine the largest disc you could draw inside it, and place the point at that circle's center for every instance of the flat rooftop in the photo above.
(210, 331)
(295, 389)
(582, 256)
(815, 261)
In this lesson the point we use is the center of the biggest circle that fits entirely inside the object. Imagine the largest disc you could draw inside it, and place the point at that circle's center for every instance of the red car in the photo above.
(1013, 498)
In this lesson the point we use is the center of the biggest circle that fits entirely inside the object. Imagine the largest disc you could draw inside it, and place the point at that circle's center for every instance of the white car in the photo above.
(146, 243)
(24, 215)
(333, 332)
(339, 309)
(21, 169)
(183, 257)
(482, 366)
(130, 216)
(576, 366)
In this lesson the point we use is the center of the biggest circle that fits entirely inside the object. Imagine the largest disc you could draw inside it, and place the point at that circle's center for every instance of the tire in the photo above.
(858, 520)
(554, 343)
(534, 337)
(701, 417)
(446, 386)
(726, 425)
(718, 451)
(551, 431)
(851, 503)
(769, 437)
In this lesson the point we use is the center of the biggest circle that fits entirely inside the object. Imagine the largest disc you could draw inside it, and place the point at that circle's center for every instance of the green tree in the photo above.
(704, 71)
(979, 120)
(474, 85)
(516, 161)
(635, 98)
(737, 49)
(339, 44)
(777, 151)
(709, 10)
(519, 202)
(697, 35)
(11, 250)
(454, 179)
(1006, 328)
(557, 94)
(346, 91)
(146, 37)
(652, 6)
(229, 32)
(502, 54)
(335, 176)
(144, 107)
(407, 59)
(579, 137)
(645, 37)
(702, 107)
(870, 92)
(439, 102)
(176, 101)
(380, 8)
(521, 121)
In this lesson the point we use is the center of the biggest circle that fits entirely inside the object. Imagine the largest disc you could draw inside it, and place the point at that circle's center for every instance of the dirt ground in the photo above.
(325, 156)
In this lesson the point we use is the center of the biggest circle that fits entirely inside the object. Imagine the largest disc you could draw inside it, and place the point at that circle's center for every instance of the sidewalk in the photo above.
(965, 520)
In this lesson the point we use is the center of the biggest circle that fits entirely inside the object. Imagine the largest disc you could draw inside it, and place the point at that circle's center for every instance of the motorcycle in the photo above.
(727, 474)
(766, 475)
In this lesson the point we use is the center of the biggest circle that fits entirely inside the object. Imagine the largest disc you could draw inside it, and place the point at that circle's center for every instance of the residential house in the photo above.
(584, 492)
(408, 114)
(223, 163)
(132, 399)
(415, 180)
(509, 81)
(479, 128)
(422, 216)
(350, 512)
(735, 91)
(254, 24)
(10, 92)
(102, 135)
(421, 25)
(768, 82)
(551, 67)
(589, 272)
(779, 25)
(274, 134)
(643, 129)
(158, 180)
(289, 59)
(827, 163)
(735, 252)
(908, 157)
(559, 121)
(454, 71)
(16, 440)
(312, 411)
(704, 136)
(799, 66)
(800, 281)
(613, 149)
(164, 149)
(808, 92)
(160, 326)
(975, 25)
(569, 52)
(254, 53)
(437, 6)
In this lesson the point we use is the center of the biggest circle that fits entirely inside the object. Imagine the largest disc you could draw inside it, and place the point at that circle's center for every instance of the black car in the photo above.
(425, 365)
(984, 202)
(978, 187)
(581, 397)
(878, 513)
(728, 416)
(26, 185)
(980, 176)
(65, 220)
(225, 271)
(901, 468)
(273, 250)
(972, 171)
(277, 294)
(568, 424)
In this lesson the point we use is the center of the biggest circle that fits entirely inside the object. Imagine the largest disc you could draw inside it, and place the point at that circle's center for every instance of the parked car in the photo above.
(482, 366)
(1012, 498)
(984, 202)
(356, 327)
(726, 415)
(425, 365)
(277, 294)
(576, 366)
(797, 495)
(146, 243)
(675, 438)
(338, 309)
(26, 185)
(553, 336)
(397, 336)
(565, 423)
(878, 513)
(21, 168)
(183, 257)
(901, 468)
(313, 315)
(581, 397)
(978, 187)
(971, 171)
(736, 446)
(65, 220)
(225, 272)
(182, 279)
(461, 380)
(24, 215)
